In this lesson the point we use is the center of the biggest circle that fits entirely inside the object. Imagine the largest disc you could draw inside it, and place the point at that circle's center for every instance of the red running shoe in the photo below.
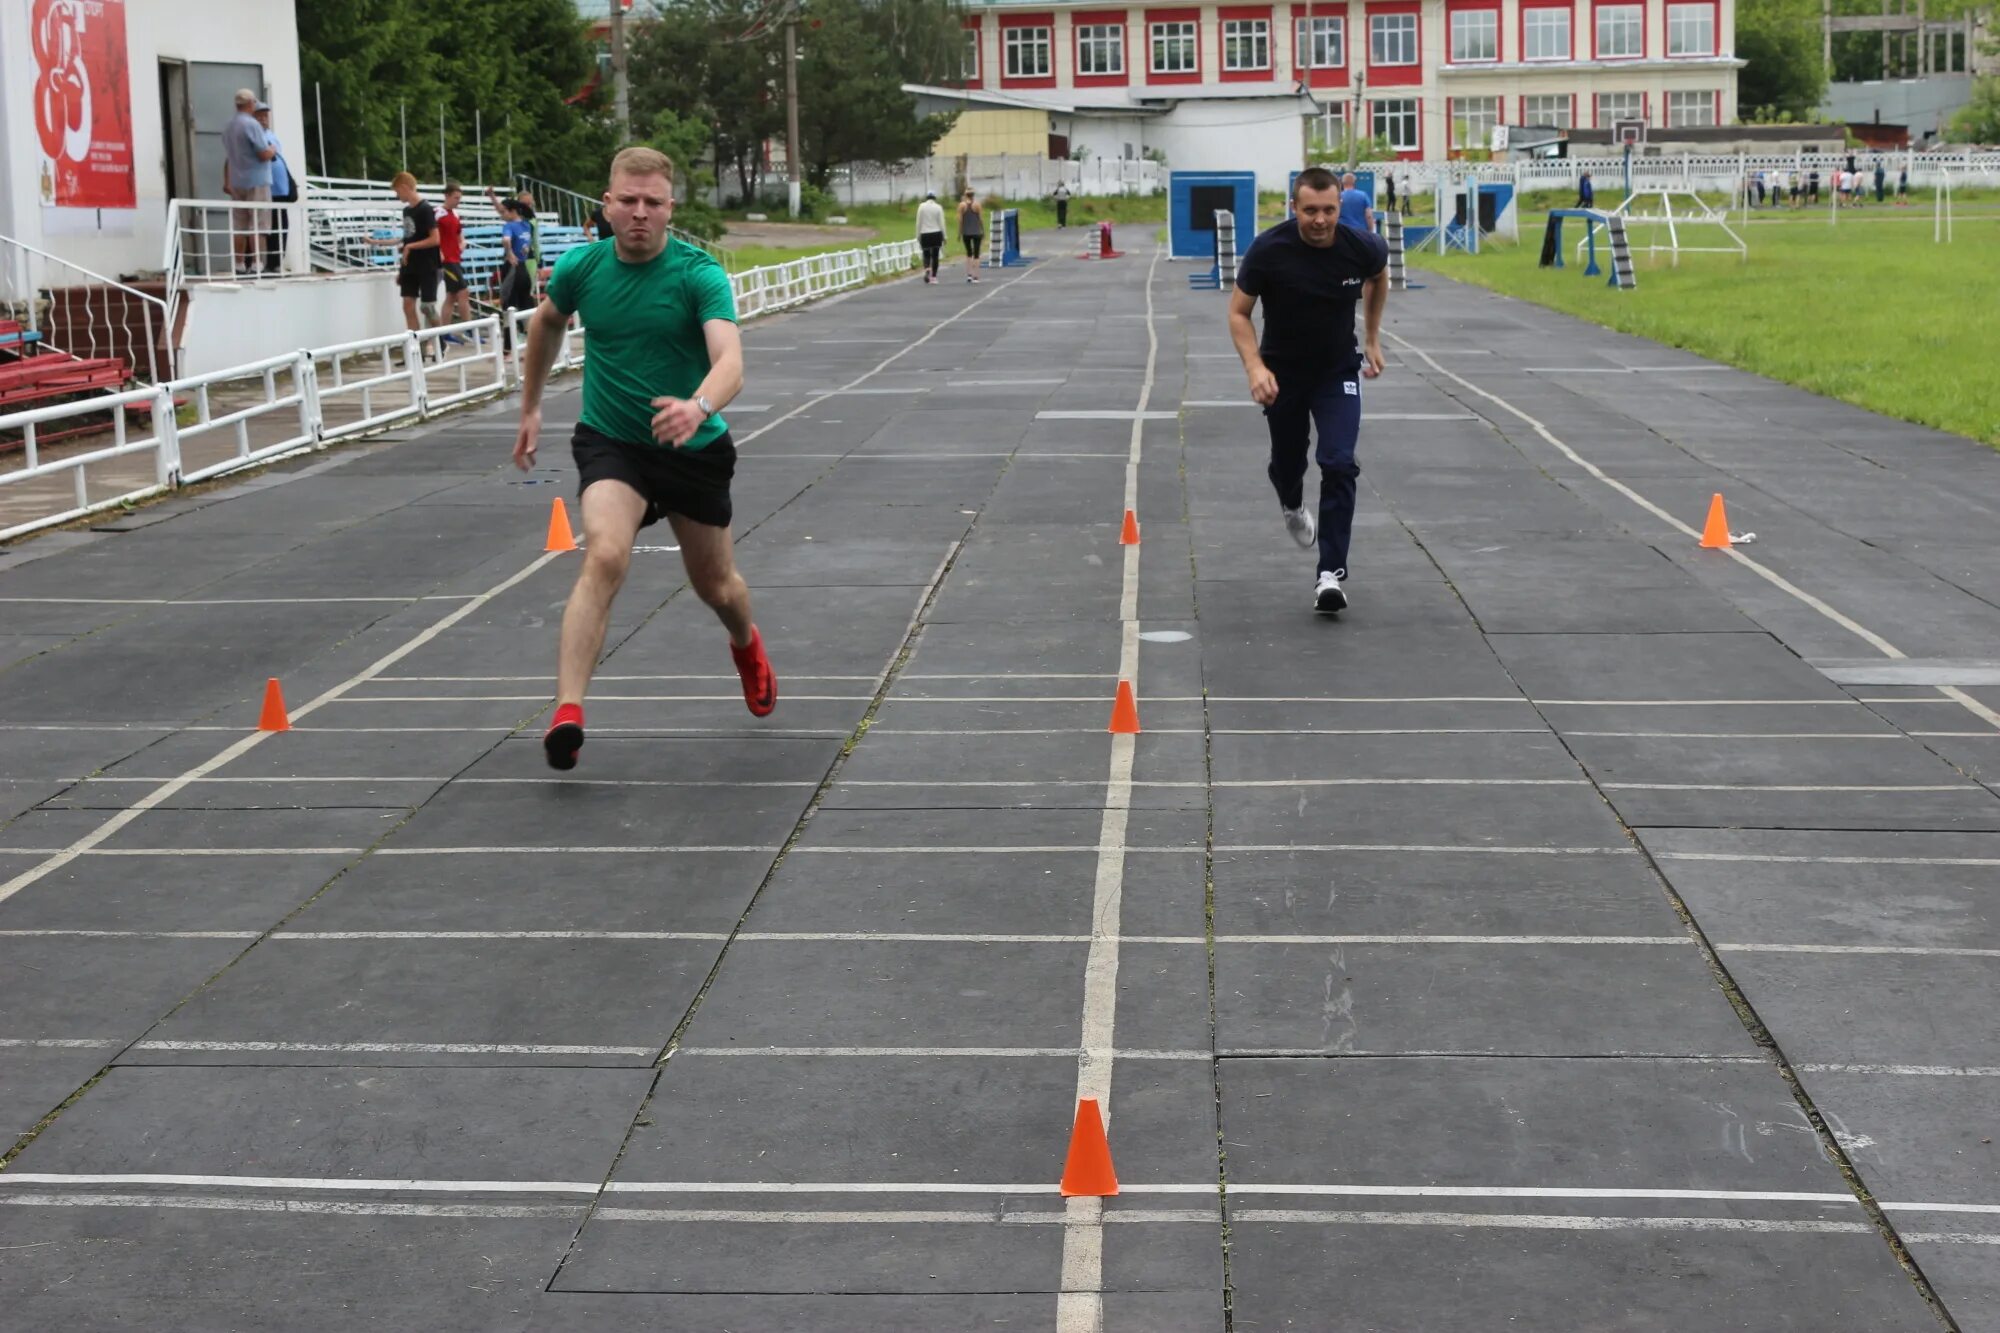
(760, 683)
(564, 737)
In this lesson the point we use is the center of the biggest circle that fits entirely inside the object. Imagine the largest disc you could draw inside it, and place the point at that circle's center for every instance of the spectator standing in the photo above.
(284, 190)
(246, 178)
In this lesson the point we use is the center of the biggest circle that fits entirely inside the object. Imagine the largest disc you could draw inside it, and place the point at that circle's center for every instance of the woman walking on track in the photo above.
(972, 231)
(930, 234)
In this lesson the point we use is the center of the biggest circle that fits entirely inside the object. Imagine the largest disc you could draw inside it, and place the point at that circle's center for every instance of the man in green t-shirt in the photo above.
(665, 358)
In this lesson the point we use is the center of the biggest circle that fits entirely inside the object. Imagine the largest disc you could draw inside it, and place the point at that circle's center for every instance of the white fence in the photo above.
(314, 397)
(1008, 175)
(1712, 174)
(79, 313)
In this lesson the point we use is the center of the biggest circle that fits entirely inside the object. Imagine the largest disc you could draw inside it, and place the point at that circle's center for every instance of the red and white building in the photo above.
(1228, 85)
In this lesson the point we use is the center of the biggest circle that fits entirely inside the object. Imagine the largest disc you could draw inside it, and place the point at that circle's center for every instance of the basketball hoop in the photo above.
(1630, 133)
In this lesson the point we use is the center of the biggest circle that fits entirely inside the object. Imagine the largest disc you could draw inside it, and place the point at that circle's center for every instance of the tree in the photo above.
(373, 58)
(703, 60)
(1978, 121)
(856, 56)
(1780, 40)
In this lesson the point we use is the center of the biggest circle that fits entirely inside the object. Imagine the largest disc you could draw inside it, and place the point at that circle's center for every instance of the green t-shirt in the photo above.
(642, 332)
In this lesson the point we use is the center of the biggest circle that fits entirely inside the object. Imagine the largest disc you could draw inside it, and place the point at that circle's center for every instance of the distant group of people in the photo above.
(431, 249)
(1778, 188)
(971, 231)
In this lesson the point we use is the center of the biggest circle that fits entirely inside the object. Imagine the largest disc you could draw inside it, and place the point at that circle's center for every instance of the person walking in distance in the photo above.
(930, 235)
(451, 260)
(1310, 272)
(1061, 196)
(650, 443)
(971, 232)
(417, 279)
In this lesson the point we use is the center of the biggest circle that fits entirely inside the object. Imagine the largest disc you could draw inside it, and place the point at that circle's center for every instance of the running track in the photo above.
(1556, 942)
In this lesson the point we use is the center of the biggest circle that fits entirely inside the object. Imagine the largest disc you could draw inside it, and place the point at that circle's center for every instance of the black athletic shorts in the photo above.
(972, 244)
(454, 278)
(418, 282)
(693, 483)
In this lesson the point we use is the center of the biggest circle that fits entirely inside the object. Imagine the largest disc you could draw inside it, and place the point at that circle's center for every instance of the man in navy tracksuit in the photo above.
(1310, 272)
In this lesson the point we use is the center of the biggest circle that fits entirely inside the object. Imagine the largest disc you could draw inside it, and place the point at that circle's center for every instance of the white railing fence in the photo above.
(1008, 175)
(70, 311)
(305, 400)
(222, 239)
(1713, 174)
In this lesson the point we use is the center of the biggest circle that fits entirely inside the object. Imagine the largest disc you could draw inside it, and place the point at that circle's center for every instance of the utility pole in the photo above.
(621, 91)
(1354, 121)
(792, 107)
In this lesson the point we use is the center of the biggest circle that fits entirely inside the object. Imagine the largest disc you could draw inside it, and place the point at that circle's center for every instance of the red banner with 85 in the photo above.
(83, 103)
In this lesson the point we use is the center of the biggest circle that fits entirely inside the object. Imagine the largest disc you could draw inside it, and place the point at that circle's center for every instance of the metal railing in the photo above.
(79, 313)
(1712, 173)
(301, 401)
(227, 240)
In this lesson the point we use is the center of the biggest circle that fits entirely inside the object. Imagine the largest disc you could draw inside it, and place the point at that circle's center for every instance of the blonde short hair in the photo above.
(639, 160)
(402, 178)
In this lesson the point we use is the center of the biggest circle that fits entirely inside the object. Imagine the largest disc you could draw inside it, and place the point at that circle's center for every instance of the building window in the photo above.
(1691, 109)
(1027, 53)
(1327, 131)
(1174, 49)
(1472, 121)
(1322, 43)
(1614, 107)
(1396, 121)
(1545, 32)
(971, 66)
(1475, 35)
(1246, 44)
(1392, 39)
(1550, 109)
(1621, 32)
(1691, 30)
(1100, 48)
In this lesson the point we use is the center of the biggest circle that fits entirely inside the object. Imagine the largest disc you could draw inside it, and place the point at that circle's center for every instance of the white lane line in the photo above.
(1772, 858)
(228, 601)
(376, 1186)
(57, 1044)
(457, 680)
(1906, 950)
(391, 1048)
(1903, 1071)
(1541, 1221)
(747, 937)
(1138, 416)
(677, 850)
(1080, 1306)
(1755, 786)
(1878, 736)
(335, 1207)
(1480, 849)
(165, 791)
(1321, 940)
(133, 934)
(933, 1052)
(184, 851)
(1765, 572)
(878, 392)
(1358, 699)
(596, 698)
(998, 384)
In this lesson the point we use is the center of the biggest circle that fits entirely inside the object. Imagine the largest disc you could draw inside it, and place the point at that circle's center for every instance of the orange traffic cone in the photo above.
(1130, 536)
(1088, 1169)
(561, 538)
(1124, 712)
(274, 717)
(1715, 534)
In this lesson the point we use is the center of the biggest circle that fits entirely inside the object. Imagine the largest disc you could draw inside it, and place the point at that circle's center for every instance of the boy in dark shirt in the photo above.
(1310, 272)
(417, 278)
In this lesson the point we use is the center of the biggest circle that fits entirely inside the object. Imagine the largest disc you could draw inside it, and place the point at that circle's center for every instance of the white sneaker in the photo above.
(1328, 599)
(1300, 524)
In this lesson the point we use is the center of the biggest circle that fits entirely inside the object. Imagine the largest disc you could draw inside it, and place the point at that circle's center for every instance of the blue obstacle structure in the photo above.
(1194, 198)
(1622, 275)
(1005, 252)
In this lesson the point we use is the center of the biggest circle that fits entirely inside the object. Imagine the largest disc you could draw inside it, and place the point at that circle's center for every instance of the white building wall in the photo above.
(1264, 135)
(256, 32)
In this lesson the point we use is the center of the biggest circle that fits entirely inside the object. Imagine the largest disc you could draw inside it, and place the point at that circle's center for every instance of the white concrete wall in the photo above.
(1264, 135)
(259, 32)
(232, 324)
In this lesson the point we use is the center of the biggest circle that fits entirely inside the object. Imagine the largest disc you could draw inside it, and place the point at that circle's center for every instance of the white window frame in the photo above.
(1183, 39)
(1487, 19)
(1405, 112)
(974, 56)
(1700, 101)
(1530, 30)
(1627, 106)
(1396, 33)
(1313, 35)
(1020, 43)
(1564, 110)
(1239, 33)
(1679, 18)
(1629, 20)
(1479, 128)
(1107, 41)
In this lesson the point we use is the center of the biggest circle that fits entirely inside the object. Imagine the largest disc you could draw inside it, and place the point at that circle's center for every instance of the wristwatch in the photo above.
(707, 408)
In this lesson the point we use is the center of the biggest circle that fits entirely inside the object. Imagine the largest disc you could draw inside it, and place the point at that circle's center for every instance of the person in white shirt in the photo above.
(930, 235)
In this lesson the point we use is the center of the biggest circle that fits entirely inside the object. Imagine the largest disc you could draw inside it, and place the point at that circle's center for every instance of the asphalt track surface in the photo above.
(1586, 931)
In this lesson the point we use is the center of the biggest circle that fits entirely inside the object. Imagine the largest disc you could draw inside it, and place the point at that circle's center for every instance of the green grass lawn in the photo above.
(1868, 311)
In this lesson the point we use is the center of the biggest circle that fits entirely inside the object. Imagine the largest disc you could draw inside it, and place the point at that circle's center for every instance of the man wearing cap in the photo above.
(246, 178)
